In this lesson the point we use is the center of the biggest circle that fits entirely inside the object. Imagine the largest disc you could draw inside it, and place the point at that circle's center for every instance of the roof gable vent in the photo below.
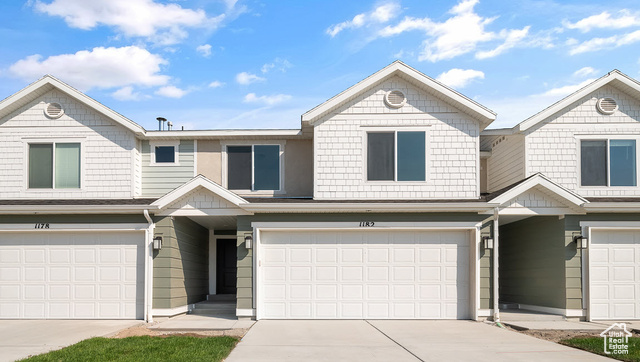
(395, 99)
(607, 105)
(54, 110)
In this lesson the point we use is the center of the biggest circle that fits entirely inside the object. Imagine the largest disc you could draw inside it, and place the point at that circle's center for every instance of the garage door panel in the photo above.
(614, 274)
(354, 275)
(72, 275)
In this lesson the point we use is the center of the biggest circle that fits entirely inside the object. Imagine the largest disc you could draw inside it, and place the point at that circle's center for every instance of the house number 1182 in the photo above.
(367, 224)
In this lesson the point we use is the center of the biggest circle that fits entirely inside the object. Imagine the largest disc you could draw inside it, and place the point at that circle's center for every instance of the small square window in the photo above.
(165, 154)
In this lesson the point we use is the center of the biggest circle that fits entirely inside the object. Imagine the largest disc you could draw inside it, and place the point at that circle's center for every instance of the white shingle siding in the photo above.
(452, 147)
(157, 180)
(552, 146)
(106, 149)
(506, 164)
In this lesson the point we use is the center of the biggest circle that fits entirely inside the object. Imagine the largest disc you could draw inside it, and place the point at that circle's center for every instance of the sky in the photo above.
(237, 64)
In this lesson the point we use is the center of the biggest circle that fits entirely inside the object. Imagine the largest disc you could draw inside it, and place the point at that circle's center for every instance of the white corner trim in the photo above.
(245, 312)
(170, 312)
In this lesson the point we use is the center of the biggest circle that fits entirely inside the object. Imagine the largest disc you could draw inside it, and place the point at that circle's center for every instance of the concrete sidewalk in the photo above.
(192, 322)
(394, 340)
(23, 338)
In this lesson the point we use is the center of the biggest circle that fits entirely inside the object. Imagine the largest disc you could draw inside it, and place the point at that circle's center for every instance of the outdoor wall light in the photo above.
(157, 243)
(581, 241)
(248, 241)
(487, 242)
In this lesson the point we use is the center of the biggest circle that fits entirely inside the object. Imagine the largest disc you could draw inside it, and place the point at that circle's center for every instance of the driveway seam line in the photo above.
(394, 341)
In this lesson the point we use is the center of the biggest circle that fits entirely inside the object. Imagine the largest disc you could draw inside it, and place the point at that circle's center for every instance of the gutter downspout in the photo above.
(148, 290)
(496, 284)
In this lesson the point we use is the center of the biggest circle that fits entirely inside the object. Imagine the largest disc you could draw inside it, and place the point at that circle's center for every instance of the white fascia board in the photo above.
(368, 207)
(567, 101)
(198, 181)
(74, 209)
(540, 180)
(400, 67)
(191, 134)
(613, 207)
(497, 132)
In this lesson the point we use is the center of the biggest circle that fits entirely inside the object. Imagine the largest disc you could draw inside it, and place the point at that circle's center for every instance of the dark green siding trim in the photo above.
(245, 257)
(486, 269)
(532, 262)
(181, 268)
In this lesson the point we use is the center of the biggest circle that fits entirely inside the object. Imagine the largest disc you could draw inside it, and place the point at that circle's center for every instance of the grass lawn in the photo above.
(172, 348)
(596, 345)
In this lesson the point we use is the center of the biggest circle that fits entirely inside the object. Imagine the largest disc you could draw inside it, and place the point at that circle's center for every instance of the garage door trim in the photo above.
(587, 228)
(473, 227)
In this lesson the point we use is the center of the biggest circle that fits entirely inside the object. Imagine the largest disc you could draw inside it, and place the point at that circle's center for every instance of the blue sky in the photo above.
(261, 64)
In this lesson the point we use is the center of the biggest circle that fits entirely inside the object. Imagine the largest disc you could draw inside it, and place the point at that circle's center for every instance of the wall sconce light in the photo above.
(581, 241)
(248, 241)
(487, 242)
(157, 243)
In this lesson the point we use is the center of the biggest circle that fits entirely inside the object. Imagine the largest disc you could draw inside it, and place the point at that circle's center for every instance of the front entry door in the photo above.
(227, 259)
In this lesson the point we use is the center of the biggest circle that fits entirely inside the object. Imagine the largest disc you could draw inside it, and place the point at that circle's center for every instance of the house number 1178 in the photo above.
(367, 224)
(42, 225)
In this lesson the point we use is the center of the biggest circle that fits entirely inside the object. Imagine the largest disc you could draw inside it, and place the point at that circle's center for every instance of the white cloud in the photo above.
(245, 78)
(459, 34)
(605, 20)
(127, 94)
(512, 39)
(268, 100)
(163, 24)
(459, 78)
(171, 92)
(278, 64)
(614, 41)
(96, 68)
(566, 90)
(216, 84)
(204, 50)
(584, 72)
(379, 15)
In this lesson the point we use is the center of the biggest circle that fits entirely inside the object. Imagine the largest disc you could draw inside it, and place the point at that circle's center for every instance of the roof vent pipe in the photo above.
(161, 121)
(169, 126)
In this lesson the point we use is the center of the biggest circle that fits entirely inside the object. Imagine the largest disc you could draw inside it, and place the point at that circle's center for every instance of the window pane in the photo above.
(67, 165)
(622, 154)
(165, 154)
(40, 166)
(239, 167)
(593, 163)
(266, 169)
(380, 157)
(411, 156)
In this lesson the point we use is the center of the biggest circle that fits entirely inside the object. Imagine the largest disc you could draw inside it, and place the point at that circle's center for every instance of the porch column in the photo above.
(496, 244)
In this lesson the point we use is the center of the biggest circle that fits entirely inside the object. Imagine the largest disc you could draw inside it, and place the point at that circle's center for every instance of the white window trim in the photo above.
(152, 151)
(607, 138)
(252, 192)
(54, 141)
(395, 129)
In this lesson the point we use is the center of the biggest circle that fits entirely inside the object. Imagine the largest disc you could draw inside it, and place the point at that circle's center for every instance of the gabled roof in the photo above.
(485, 115)
(615, 76)
(48, 83)
(510, 192)
(194, 183)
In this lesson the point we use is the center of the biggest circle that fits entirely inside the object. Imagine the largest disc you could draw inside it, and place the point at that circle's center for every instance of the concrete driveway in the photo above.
(395, 341)
(23, 338)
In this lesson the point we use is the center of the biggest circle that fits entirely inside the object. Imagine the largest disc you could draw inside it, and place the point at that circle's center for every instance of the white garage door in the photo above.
(615, 274)
(364, 275)
(78, 275)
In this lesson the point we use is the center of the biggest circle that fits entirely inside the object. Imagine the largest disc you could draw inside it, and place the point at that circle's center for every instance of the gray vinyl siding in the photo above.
(532, 262)
(157, 180)
(245, 257)
(507, 162)
(181, 267)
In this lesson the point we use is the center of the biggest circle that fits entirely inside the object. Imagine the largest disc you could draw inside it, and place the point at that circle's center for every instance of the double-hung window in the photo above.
(253, 167)
(608, 162)
(54, 165)
(396, 156)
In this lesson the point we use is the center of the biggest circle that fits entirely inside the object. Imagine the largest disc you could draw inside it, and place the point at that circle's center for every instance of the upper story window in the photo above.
(254, 167)
(396, 156)
(54, 165)
(608, 162)
(164, 153)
